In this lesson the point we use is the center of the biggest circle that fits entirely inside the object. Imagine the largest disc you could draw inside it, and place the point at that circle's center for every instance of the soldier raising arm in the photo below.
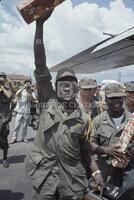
(55, 163)
(42, 74)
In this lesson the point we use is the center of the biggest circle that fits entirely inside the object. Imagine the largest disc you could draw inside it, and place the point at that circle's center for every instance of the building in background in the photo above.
(17, 78)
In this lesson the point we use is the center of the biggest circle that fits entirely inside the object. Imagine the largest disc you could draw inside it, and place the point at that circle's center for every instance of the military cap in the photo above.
(130, 87)
(65, 72)
(3, 74)
(114, 90)
(86, 83)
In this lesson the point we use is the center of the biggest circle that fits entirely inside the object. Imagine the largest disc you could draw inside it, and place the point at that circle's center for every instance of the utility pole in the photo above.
(119, 76)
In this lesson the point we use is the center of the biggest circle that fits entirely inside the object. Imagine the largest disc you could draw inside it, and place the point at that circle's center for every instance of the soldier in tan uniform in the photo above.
(55, 164)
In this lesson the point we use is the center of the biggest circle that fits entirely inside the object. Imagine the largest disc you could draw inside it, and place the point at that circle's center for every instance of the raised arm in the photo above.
(42, 74)
(39, 50)
(7, 92)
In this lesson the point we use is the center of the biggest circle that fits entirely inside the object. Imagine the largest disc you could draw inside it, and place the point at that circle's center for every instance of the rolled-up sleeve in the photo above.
(44, 85)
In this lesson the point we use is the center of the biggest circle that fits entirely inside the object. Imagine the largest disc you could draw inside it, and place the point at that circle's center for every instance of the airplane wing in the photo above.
(111, 53)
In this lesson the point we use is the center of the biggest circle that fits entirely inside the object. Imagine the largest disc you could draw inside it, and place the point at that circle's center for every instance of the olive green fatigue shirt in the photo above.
(58, 143)
(105, 133)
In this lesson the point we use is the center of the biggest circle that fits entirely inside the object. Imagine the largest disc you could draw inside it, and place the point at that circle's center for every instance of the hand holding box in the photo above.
(126, 138)
(33, 9)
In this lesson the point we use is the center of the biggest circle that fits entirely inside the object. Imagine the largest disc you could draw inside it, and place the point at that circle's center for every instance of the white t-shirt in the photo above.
(118, 121)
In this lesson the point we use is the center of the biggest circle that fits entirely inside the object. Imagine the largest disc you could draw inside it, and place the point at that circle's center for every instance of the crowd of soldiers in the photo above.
(106, 120)
(77, 134)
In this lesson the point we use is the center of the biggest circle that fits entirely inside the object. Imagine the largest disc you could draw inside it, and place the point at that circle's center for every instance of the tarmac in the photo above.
(14, 184)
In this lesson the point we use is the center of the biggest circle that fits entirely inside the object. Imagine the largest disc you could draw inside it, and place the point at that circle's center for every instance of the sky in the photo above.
(74, 26)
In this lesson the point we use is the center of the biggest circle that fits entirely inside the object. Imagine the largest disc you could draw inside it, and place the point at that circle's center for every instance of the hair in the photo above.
(27, 81)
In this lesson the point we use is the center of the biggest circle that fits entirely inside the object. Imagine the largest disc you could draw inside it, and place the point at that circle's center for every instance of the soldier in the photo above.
(55, 163)
(108, 127)
(5, 116)
(130, 96)
(86, 98)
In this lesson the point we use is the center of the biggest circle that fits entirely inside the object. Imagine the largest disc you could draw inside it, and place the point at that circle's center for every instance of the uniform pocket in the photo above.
(35, 168)
(79, 182)
(79, 179)
(33, 161)
(105, 136)
(77, 131)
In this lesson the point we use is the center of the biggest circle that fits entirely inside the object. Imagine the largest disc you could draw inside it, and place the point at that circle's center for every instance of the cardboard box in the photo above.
(33, 9)
(125, 139)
